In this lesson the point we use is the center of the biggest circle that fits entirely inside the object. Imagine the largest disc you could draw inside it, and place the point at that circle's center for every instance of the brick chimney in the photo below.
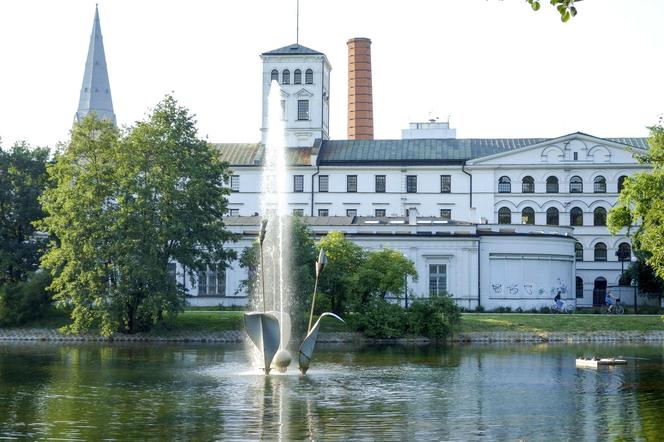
(360, 95)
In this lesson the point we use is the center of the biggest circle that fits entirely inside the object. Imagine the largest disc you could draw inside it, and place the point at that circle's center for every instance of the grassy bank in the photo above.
(537, 323)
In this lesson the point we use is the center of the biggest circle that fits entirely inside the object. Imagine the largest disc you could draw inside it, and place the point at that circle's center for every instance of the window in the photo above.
(579, 287)
(552, 216)
(504, 185)
(600, 251)
(599, 184)
(233, 212)
(504, 215)
(446, 214)
(437, 279)
(298, 183)
(351, 212)
(411, 184)
(309, 76)
(527, 216)
(323, 212)
(624, 252)
(379, 213)
(445, 184)
(552, 185)
(212, 282)
(302, 109)
(298, 212)
(351, 183)
(527, 185)
(575, 185)
(235, 183)
(297, 77)
(323, 183)
(380, 183)
(621, 183)
(274, 75)
(285, 77)
(576, 156)
(578, 251)
(599, 217)
(576, 217)
(172, 274)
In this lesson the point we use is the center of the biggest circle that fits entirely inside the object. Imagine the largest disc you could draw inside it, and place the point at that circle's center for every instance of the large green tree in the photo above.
(640, 206)
(565, 8)
(22, 180)
(123, 205)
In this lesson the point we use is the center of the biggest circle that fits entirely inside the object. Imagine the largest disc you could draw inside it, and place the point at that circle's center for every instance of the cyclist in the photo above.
(609, 299)
(559, 302)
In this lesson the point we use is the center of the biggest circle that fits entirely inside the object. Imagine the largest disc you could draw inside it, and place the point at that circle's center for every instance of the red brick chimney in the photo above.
(360, 95)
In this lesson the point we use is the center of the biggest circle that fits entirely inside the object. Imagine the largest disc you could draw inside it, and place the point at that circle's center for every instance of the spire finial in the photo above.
(297, 24)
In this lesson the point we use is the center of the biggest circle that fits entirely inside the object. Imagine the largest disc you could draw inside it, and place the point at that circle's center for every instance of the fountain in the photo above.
(270, 329)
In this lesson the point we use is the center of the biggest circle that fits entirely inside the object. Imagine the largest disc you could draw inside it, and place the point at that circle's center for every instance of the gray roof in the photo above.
(96, 89)
(394, 152)
(294, 49)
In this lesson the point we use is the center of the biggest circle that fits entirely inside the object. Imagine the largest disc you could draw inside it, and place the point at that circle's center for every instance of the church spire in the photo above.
(96, 89)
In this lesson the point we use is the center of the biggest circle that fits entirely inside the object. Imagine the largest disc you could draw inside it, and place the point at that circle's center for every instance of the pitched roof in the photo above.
(251, 154)
(96, 89)
(294, 49)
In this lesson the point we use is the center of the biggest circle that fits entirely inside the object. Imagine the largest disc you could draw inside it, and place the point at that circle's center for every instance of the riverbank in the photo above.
(226, 327)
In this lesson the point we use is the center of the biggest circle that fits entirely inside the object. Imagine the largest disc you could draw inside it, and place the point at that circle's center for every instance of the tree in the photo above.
(338, 280)
(566, 8)
(123, 205)
(22, 180)
(384, 271)
(640, 207)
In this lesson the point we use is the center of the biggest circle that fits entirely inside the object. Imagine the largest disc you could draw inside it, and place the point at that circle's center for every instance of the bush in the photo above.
(381, 319)
(502, 309)
(25, 301)
(434, 317)
(479, 308)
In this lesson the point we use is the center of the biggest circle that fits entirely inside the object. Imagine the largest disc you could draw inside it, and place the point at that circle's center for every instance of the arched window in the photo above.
(552, 216)
(504, 215)
(527, 184)
(504, 185)
(285, 77)
(599, 184)
(576, 217)
(309, 76)
(274, 75)
(600, 251)
(527, 216)
(621, 183)
(552, 185)
(624, 252)
(599, 217)
(575, 185)
(578, 251)
(297, 77)
(579, 287)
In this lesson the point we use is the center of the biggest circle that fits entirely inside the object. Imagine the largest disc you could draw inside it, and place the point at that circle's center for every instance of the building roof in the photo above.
(393, 152)
(294, 49)
(96, 89)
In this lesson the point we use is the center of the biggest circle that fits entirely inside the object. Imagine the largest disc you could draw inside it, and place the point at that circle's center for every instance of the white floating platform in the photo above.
(596, 362)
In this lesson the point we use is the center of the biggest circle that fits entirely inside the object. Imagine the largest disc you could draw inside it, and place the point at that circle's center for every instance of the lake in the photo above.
(206, 392)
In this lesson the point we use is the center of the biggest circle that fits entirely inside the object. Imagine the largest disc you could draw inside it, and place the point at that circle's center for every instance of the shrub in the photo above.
(26, 300)
(479, 308)
(434, 317)
(380, 319)
(545, 309)
(502, 309)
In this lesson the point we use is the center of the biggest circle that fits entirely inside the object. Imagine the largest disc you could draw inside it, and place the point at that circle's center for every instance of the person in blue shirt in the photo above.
(559, 302)
(609, 299)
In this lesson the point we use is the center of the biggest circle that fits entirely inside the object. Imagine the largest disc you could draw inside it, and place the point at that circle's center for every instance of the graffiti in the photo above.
(528, 288)
(540, 292)
(514, 289)
(497, 288)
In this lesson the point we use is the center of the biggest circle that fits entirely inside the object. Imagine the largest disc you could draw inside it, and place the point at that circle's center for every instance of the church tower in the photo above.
(96, 89)
(304, 77)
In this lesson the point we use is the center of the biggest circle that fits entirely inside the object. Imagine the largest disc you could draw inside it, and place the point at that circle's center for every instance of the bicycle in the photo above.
(614, 309)
(565, 308)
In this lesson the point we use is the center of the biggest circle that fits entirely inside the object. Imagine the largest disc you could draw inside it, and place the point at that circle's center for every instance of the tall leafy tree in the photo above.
(22, 180)
(124, 205)
(640, 207)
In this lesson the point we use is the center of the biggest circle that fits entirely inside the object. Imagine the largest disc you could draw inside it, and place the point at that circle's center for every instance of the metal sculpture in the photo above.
(309, 343)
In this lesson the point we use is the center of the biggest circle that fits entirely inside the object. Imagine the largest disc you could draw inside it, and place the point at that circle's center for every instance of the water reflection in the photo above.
(205, 392)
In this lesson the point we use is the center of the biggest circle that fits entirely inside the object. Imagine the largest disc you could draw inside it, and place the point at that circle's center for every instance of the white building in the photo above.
(493, 222)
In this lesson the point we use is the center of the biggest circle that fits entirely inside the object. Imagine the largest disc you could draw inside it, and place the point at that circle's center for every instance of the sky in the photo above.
(495, 68)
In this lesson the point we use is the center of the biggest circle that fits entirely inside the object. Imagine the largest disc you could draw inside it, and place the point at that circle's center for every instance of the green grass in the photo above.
(506, 322)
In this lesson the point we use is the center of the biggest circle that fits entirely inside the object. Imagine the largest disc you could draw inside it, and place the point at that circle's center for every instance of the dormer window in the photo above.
(285, 77)
(297, 77)
(309, 77)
